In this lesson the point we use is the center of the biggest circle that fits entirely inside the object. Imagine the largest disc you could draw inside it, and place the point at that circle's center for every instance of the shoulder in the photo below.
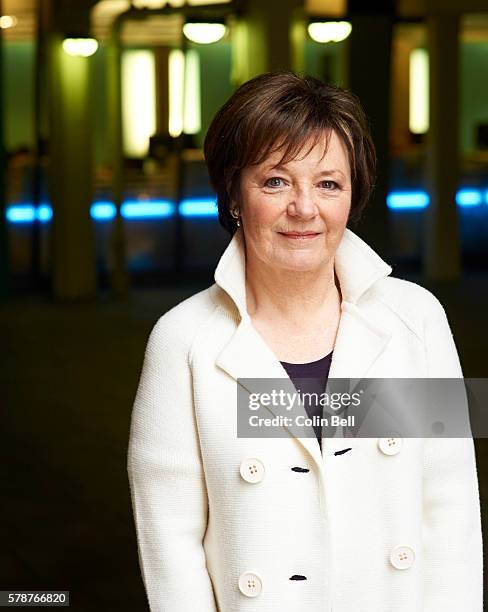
(178, 327)
(415, 305)
(405, 294)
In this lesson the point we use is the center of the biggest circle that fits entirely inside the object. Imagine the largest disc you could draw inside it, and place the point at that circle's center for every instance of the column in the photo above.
(266, 38)
(73, 267)
(369, 78)
(70, 180)
(442, 256)
(4, 268)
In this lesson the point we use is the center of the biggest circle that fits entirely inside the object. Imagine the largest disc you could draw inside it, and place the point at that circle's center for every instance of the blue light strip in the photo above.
(44, 213)
(102, 211)
(198, 208)
(23, 213)
(154, 209)
(469, 197)
(407, 199)
(26, 213)
(207, 207)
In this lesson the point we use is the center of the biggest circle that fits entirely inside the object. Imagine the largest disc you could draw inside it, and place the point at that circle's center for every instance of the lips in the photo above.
(299, 235)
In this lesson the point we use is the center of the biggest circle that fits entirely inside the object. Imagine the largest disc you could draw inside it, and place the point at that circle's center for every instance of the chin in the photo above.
(301, 264)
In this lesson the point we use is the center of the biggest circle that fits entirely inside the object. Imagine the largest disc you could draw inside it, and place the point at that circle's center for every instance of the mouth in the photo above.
(299, 235)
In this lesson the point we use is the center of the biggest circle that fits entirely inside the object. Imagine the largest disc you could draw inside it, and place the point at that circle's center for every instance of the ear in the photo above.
(235, 204)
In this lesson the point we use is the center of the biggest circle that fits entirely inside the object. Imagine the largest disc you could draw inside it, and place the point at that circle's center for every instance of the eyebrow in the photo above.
(328, 172)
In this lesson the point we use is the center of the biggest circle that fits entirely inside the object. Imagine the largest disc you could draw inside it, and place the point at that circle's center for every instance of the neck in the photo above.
(300, 298)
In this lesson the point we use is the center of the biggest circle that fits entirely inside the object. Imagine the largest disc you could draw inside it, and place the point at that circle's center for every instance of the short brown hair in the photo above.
(283, 110)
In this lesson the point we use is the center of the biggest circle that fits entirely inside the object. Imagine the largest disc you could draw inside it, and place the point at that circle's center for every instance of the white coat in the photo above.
(224, 523)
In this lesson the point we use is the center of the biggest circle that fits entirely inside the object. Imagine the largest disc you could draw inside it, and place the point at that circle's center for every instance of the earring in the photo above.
(237, 216)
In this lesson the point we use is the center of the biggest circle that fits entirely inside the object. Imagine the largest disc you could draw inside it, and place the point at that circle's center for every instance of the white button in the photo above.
(252, 470)
(402, 557)
(250, 584)
(390, 446)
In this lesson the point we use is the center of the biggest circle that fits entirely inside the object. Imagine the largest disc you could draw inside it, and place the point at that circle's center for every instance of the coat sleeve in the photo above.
(166, 478)
(453, 553)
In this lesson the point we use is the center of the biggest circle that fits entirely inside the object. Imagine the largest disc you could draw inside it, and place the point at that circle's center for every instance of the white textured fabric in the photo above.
(201, 525)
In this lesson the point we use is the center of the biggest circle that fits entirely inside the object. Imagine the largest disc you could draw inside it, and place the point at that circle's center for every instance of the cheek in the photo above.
(336, 215)
(260, 211)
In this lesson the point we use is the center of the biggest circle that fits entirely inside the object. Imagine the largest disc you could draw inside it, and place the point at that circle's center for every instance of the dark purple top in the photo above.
(317, 373)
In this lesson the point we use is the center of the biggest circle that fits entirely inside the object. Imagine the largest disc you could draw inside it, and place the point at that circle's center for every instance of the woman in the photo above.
(283, 524)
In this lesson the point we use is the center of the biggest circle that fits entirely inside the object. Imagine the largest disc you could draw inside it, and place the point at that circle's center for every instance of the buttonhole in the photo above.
(341, 452)
(298, 577)
(299, 469)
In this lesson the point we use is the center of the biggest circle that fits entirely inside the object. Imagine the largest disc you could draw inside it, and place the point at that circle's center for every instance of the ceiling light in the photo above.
(80, 47)
(329, 31)
(204, 33)
(7, 21)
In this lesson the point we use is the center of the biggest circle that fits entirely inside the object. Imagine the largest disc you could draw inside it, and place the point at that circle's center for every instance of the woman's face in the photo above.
(310, 195)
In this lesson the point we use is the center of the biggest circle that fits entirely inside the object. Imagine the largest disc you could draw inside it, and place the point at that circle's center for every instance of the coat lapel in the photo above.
(359, 341)
(358, 344)
(248, 359)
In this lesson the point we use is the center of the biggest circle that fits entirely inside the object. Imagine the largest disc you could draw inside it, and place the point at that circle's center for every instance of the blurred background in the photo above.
(108, 220)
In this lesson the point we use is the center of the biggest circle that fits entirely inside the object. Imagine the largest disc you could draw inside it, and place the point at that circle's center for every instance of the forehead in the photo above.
(322, 154)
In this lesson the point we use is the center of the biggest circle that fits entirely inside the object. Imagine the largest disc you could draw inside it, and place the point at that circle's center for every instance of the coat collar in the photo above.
(359, 340)
(357, 267)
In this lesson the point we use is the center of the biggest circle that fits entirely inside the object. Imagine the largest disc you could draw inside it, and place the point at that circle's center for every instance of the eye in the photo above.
(274, 182)
(329, 183)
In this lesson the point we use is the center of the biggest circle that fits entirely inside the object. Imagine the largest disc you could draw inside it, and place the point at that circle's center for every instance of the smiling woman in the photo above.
(271, 121)
(376, 524)
(294, 220)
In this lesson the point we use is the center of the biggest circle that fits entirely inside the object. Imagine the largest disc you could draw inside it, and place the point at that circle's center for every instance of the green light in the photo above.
(419, 92)
(192, 122)
(176, 71)
(184, 93)
(139, 101)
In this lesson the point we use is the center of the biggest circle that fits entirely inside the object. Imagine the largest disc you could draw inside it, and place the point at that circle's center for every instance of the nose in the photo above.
(302, 205)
